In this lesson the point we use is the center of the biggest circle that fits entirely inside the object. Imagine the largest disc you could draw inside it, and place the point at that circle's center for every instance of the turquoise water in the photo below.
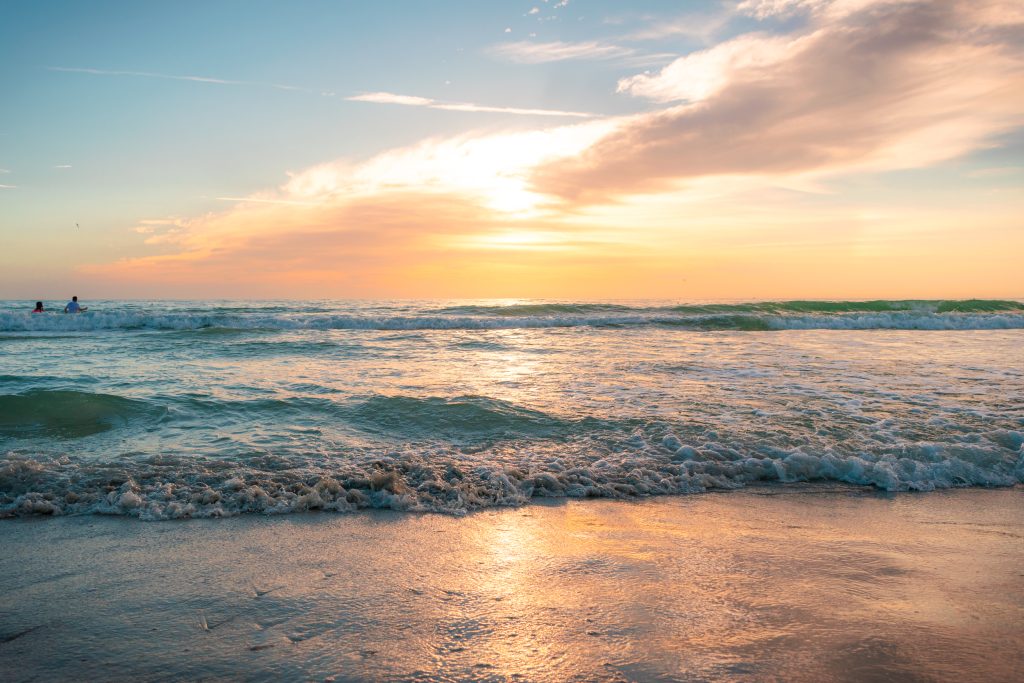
(177, 409)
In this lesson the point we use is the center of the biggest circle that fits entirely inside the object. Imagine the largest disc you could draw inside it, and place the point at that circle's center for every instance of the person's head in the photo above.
(74, 298)
(39, 305)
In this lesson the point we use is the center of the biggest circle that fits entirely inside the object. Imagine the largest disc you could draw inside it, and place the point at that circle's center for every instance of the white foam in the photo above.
(134, 320)
(449, 481)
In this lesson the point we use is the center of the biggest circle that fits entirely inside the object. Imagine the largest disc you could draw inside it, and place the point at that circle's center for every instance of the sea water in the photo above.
(159, 409)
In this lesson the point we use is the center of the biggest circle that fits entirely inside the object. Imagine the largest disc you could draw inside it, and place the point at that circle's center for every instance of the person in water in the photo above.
(39, 307)
(73, 306)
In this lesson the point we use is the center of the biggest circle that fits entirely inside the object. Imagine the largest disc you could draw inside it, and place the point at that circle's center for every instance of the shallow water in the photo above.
(198, 409)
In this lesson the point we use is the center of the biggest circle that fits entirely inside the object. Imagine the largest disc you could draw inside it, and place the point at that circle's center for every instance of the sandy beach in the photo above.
(782, 583)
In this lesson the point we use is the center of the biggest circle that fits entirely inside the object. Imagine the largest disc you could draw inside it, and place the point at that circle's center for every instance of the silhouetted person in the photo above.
(39, 307)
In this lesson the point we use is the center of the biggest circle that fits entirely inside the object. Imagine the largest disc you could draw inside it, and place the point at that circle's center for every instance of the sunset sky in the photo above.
(569, 149)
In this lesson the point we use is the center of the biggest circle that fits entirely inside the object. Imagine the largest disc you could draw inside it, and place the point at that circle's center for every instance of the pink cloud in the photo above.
(890, 85)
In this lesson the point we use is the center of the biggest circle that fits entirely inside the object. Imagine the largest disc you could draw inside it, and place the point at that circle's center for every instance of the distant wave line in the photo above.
(748, 322)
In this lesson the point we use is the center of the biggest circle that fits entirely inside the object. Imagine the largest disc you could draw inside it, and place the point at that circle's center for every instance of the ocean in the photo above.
(160, 410)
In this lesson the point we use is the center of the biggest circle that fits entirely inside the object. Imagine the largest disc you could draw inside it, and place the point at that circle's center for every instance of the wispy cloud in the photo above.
(5, 170)
(700, 27)
(8, 187)
(63, 166)
(526, 52)
(841, 9)
(762, 9)
(173, 77)
(414, 101)
(162, 231)
(374, 97)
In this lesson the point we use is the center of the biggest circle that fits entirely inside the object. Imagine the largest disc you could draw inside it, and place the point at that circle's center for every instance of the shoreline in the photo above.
(807, 584)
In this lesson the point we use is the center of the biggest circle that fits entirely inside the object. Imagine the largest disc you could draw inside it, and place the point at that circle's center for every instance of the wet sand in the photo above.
(784, 583)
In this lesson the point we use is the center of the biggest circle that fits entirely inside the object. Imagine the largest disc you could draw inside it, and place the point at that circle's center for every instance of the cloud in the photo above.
(895, 85)
(702, 27)
(8, 187)
(162, 232)
(63, 166)
(375, 97)
(387, 244)
(370, 223)
(526, 52)
(413, 101)
(4, 170)
(833, 9)
(492, 170)
(172, 77)
(701, 74)
(762, 9)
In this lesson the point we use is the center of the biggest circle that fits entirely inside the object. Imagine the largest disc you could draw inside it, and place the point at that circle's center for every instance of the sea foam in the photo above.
(684, 320)
(438, 478)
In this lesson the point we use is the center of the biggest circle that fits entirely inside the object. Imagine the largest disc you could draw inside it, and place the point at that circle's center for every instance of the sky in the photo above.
(558, 149)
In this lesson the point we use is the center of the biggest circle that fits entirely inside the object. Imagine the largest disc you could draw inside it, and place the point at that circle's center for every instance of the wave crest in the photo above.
(971, 314)
(451, 480)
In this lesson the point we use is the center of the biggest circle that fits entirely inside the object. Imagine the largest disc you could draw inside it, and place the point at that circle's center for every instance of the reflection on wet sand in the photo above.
(798, 584)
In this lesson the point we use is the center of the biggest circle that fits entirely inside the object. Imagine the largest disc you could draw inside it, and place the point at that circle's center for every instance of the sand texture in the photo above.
(795, 583)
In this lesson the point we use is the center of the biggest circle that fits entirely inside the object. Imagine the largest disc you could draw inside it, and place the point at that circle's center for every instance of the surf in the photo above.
(972, 314)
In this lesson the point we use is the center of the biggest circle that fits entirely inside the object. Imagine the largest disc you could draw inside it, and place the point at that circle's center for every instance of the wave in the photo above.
(67, 414)
(451, 480)
(764, 316)
(766, 307)
(462, 419)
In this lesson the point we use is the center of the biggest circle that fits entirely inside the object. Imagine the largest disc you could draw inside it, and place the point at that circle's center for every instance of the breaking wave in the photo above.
(441, 478)
(972, 314)
(766, 307)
